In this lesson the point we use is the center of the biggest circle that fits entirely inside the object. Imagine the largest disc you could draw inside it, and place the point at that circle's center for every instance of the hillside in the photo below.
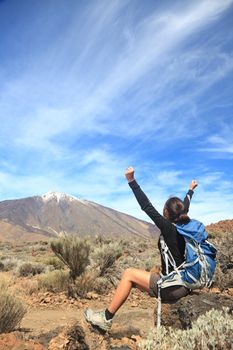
(223, 226)
(41, 217)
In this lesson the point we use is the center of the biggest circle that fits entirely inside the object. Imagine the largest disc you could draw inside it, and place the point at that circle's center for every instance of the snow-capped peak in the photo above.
(58, 196)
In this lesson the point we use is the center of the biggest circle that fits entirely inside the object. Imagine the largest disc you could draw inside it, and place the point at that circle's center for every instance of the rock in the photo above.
(136, 338)
(121, 347)
(92, 295)
(134, 304)
(47, 300)
(119, 332)
(14, 341)
(215, 290)
(70, 339)
(79, 336)
(182, 313)
(45, 338)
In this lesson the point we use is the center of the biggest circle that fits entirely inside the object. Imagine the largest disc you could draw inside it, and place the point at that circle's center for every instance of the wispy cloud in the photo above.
(97, 86)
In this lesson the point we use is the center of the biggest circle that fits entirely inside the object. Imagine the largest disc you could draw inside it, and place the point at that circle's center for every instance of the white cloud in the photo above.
(105, 83)
(220, 144)
(86, 91)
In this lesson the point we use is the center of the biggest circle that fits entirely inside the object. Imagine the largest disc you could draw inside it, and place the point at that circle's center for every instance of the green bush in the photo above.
(73, 252)
(85, 283)
(10, 263)
(103, 285)
(54, 281)
(105, 257)
(149, 264)
(29, 269)
(214, 330)
(11, 312)
(55, 262)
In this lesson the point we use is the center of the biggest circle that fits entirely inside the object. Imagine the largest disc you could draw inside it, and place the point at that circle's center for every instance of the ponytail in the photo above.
(176, 210)
(182, 219)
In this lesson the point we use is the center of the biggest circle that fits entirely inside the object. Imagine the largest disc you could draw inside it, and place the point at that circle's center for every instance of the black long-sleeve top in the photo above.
(173, 239)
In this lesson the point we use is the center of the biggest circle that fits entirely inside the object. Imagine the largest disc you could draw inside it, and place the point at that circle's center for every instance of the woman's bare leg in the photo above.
(129, 277)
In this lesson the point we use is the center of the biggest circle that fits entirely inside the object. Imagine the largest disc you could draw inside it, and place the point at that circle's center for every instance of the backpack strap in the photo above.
(159, 304)
(169, 260)
(167, 257)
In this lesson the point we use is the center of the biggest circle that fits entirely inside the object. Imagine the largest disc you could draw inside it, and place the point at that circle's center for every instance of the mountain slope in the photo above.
(41, 217)
(223, 226)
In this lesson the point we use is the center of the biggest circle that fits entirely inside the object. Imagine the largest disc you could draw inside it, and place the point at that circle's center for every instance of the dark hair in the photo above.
(176, 210)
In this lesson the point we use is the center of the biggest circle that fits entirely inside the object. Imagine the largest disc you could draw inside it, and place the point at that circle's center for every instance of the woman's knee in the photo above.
(127, 274)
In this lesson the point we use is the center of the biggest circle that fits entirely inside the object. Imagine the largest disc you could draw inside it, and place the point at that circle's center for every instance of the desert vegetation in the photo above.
(73, 265)
(12, 309)
(210, 331)
(223, 278)
(71, 271)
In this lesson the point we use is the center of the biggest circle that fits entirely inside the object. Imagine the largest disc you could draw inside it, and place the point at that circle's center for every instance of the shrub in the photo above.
(85, 283)
(11, 312)
(40, 247)
(55, 262)
(54, 281)
(10, 263)
(149, 264)
(29, 286)
(223, 277)
(223, 280)
(214, 330)
(2, 266)
(142, 246)
(4, 284)
(102, 285)
(105, 257)
(29, 269)
(73, 252)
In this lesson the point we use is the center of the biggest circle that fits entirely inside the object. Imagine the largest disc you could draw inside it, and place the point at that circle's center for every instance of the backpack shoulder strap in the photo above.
(167, 256)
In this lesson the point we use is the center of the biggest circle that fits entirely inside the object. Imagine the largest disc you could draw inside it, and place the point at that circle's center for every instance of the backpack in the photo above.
(199, 265)
(198, 268)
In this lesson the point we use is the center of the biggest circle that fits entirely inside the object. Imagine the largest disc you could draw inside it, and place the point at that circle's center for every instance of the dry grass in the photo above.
(11, 309)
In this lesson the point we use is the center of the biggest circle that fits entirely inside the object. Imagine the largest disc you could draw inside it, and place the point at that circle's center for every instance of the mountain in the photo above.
(41, 217)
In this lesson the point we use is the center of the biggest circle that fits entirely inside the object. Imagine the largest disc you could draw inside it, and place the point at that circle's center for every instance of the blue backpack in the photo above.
(199, 265)
(198, 268)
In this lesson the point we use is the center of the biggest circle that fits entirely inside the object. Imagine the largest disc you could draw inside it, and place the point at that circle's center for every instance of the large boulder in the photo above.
(183, 312)
(81, 336)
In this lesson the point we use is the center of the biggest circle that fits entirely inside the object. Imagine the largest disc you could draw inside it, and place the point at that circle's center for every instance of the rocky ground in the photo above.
(54, 321)
(50, 316)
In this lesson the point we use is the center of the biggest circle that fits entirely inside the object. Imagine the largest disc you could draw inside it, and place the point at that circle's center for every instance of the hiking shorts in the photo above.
(168, 293)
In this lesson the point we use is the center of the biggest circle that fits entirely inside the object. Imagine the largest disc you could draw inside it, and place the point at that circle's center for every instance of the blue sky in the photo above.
(90, 87)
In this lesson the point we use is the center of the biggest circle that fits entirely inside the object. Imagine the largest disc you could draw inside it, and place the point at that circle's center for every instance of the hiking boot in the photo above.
(97, 318)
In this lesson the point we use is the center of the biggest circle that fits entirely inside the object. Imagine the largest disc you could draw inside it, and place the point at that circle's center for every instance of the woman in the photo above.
(175, 211)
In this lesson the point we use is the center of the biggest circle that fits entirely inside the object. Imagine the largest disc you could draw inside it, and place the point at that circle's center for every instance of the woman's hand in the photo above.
(129, 174)
(193, 185)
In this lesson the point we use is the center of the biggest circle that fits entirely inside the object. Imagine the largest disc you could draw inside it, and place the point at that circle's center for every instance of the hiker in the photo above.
(172, 288)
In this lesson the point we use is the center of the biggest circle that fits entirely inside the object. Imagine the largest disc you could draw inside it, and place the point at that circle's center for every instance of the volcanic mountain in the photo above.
(40, 217)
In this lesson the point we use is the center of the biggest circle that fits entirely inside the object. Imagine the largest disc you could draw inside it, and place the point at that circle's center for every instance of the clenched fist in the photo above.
(193, 185)
(129, 174)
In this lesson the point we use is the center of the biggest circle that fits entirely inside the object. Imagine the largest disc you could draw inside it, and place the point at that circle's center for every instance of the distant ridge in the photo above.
(41, 217)
(223, 226)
